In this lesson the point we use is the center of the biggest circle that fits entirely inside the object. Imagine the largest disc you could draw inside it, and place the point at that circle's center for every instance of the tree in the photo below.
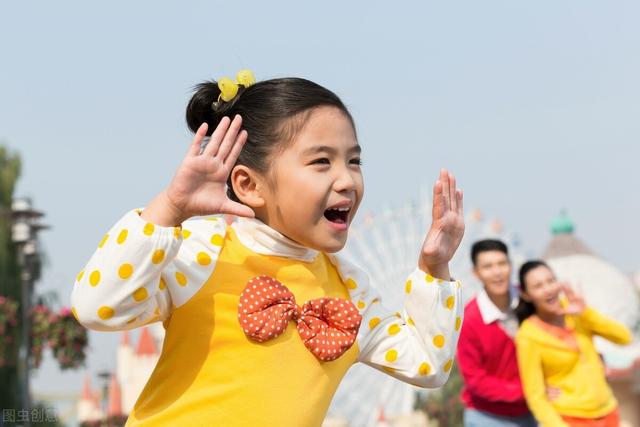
(58, 330)
(444, 405)
(9, 273)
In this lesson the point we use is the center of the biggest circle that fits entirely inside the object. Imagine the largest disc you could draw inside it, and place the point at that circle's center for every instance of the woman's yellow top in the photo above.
(565, 358)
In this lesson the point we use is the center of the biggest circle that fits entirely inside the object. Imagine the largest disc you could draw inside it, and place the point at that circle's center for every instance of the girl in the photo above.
(562, 374)
(262, 318)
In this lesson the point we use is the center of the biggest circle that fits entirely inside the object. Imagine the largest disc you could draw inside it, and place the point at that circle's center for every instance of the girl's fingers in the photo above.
(236, 149)
(438, 201)
(444, 179)
(459, 197)
(452, 192)
(194, 149)
(238, 209)
(216, 137)
(229, 138)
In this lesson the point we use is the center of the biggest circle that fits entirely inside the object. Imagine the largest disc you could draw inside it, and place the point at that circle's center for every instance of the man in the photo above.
(486, 351)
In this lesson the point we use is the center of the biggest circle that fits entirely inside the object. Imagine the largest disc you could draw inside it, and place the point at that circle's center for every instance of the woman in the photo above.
(562, 374)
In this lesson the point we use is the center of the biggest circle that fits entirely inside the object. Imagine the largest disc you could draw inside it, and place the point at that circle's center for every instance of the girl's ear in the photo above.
(247, 186)
(524, 296)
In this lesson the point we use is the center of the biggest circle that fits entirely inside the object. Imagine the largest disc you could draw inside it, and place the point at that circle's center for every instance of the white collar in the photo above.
(488, 310)
(264, 240)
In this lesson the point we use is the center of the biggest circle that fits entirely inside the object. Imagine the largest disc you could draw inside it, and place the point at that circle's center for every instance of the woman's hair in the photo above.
(525, 308)
(273, 112)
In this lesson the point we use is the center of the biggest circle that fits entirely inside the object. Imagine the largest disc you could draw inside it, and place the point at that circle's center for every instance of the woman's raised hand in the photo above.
(553, 393)
(576, 304)
(447, 227)
(199, 185)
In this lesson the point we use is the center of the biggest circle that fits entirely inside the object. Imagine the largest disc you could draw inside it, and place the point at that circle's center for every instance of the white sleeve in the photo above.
(418, 345)
(141, 271)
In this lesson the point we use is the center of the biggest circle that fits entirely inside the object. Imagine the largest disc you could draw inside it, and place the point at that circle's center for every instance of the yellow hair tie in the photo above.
(245, 78)
(229, 88)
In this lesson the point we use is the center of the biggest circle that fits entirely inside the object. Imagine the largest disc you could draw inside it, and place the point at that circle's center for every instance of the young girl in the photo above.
(262, 318)
(562, 374)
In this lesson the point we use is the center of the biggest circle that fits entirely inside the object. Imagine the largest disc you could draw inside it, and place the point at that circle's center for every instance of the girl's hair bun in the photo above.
(200, 108)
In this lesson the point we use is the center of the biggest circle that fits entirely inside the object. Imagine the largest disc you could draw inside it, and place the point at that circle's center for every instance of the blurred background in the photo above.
(533, 105)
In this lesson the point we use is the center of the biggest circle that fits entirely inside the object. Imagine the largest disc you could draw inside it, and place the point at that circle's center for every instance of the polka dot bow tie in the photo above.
(328, 326)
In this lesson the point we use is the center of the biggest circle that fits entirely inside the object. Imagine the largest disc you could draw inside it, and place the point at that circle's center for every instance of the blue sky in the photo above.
(534, 106)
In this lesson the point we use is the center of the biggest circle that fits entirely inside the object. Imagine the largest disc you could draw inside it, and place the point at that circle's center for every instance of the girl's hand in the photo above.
(576, 301)
(199, 185)
(447, 228)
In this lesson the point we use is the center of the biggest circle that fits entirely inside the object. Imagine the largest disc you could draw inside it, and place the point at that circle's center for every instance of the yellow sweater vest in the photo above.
(211, 374)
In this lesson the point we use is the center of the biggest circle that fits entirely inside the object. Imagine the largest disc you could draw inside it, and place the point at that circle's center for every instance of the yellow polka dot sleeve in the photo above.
(416, 345)
(141, 271)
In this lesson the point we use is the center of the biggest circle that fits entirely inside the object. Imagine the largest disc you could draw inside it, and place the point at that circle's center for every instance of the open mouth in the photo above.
(337, 215)
(552, 300)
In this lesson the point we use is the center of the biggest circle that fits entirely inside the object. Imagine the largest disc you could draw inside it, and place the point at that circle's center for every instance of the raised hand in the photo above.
(199, 185)
(553, 393)
(576, 303)
(447, 227)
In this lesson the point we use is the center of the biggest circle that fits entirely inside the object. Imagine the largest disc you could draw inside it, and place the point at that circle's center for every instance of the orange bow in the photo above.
(328, 326)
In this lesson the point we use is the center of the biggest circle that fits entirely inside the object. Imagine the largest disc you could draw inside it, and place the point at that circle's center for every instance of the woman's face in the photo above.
(543, 290)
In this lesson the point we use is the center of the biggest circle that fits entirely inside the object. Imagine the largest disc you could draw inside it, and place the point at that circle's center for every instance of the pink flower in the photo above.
(65, 311)
(40, 308)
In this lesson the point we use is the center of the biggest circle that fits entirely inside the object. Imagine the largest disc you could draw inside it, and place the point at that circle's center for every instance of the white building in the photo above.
(133, 369)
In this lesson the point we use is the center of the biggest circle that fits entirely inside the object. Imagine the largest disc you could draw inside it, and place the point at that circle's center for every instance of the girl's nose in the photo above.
(345, 181)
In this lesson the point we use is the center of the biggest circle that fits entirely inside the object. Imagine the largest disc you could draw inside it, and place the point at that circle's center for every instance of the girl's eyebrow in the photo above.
(356, 149)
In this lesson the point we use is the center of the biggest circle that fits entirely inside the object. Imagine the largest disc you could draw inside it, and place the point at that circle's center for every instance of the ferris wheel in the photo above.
(386, 246)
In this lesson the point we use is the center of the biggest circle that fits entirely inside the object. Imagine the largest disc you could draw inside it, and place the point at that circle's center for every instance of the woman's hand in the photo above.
(447, 228)
(553, 393)
(199, 185)
(576, 302)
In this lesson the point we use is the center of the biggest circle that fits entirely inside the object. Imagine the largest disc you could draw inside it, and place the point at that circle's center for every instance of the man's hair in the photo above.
(487, 245)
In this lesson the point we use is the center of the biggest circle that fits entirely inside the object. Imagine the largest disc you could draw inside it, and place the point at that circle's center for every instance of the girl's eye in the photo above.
(322, 161)
(357, 161)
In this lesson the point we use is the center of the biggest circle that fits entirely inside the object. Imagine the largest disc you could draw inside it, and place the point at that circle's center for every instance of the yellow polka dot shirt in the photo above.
(209, 372)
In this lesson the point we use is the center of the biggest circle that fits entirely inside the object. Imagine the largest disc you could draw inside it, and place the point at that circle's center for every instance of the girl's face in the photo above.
(543, 290)
(316, 182)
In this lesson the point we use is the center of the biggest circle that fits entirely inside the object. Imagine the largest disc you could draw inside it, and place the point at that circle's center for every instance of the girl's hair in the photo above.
(525, 308)
(273, 112)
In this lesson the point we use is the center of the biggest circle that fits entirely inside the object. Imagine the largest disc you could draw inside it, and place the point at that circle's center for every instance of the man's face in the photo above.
(493, 269)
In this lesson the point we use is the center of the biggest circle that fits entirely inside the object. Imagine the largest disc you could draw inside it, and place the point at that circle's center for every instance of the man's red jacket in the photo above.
(487, 360)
